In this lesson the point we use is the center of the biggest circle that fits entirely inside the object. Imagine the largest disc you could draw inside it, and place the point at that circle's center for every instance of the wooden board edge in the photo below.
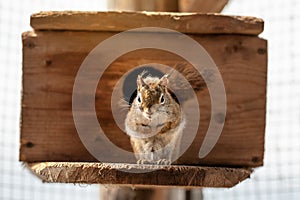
(116, 21)
(265, 51)
(126, 174)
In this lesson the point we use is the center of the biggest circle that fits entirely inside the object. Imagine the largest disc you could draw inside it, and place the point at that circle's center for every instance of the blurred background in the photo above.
(279, 178)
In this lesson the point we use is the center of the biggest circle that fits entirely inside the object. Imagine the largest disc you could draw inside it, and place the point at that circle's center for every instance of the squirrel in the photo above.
(155, 122)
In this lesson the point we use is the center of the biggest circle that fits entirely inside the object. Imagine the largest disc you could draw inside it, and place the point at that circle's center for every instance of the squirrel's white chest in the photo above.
(160, 146)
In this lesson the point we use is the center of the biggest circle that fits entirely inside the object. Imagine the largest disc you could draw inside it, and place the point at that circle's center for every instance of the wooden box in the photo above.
(59, 44)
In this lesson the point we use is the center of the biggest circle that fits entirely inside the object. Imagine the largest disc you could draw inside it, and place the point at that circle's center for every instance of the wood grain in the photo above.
(195, 23)
(51, 60)
(105, 173)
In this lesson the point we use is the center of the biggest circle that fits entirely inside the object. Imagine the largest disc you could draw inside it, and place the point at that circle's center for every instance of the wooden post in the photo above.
(166, 5)
(130, 193)
(144, 5)
(204, 6)
(127, 192)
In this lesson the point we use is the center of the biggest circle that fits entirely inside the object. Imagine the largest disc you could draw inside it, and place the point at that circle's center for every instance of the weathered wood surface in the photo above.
(195, 23)
(204, 6)
(104, 173)
(52, 59)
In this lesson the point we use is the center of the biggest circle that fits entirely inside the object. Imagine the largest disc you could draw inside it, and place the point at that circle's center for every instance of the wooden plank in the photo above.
(195, 23)
(105, 173)
(204, 6)
(50, 64)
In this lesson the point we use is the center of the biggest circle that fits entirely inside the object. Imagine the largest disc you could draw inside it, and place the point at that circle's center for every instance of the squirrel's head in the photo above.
(152, 95)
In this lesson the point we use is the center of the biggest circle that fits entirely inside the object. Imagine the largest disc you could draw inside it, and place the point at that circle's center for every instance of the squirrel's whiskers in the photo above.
(123, 105)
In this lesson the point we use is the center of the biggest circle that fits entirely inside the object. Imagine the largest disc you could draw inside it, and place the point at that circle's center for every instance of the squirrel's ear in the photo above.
(140, 81)
(164, 80)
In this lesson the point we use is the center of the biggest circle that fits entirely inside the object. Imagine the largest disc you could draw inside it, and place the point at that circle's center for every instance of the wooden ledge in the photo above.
(191, 23)
(105, 173)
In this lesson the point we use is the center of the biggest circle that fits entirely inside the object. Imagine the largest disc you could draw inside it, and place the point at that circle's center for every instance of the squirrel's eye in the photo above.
(139, 99)
(162, 99)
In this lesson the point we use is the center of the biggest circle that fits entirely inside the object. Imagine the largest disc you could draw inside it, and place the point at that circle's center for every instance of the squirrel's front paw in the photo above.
(150, 162)
(143, 162)
(163, 162)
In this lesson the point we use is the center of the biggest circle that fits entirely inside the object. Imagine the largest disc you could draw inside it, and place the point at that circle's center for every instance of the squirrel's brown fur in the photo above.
(154, 122)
